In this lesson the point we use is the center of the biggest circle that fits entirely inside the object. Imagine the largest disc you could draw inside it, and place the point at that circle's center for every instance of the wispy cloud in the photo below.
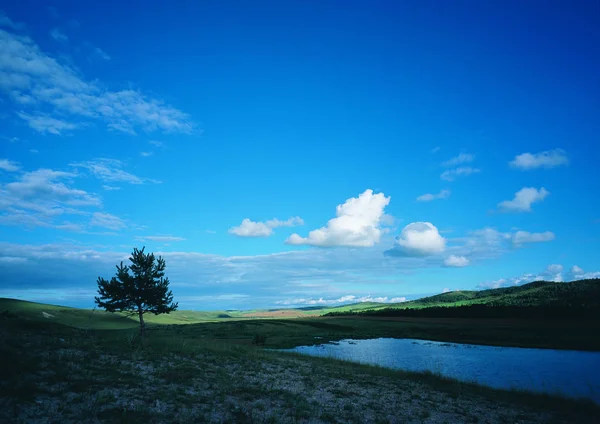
(6, 22)
(453, 174)
(523, 200)
(250, 228)
(58, 35)
(523, 237)
(42, 198)
(545, 159)
(95, 53)
(357, 223)
(33, 78)
(146, 154)
(9, 165)
(110, 171)
(428, 197)
(458, 160)
(46, 124)
(106, 220)
(160, 239)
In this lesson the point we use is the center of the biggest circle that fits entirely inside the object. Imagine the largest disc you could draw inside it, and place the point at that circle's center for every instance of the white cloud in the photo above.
(545, 159)
(357, 223)
(58, 35)
(110, 188)
(446, 290)
(523, 200)
(106, 220)
(9, 165)
(110, 171)
(160, 239)
(420, 239)
(32, 77)
(435, 149)
(250, 228)
(575, 270)
(157, 143)
(456, 261)
(46, 124)
(210, 231)
(428, 197)
(458, 160)
(146, 154)
(521, 237)
(464, 171)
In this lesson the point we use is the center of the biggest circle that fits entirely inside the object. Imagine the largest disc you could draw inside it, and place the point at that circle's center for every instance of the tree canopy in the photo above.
(138, 288)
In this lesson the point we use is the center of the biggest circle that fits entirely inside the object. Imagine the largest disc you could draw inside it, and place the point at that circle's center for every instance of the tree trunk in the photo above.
(142, 323)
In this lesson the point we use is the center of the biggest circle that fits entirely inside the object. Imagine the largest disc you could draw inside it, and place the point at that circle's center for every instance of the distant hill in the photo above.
(538, 293)
(540, 298)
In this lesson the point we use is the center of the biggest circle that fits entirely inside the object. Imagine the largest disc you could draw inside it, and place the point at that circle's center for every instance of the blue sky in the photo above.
(298, 153)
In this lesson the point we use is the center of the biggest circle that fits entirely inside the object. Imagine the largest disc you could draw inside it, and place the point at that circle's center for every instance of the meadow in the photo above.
(72, 365)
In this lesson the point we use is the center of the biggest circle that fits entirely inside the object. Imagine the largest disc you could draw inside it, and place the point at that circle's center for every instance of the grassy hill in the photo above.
(540, 299)
(101, 320)
(538, 293)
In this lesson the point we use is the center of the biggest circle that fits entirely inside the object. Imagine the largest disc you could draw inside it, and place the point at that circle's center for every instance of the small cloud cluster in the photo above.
(341, 300)
(523, 200)
(357, 223)
(545, 159)
(553, 272)
(249, 228)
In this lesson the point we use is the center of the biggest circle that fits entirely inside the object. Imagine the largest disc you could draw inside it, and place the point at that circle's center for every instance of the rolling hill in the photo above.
(537, 299)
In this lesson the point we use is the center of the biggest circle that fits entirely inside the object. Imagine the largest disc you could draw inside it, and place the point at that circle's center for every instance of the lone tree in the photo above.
(143, 290)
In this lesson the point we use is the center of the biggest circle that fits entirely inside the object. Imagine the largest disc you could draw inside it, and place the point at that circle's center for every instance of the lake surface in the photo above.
(568, 372)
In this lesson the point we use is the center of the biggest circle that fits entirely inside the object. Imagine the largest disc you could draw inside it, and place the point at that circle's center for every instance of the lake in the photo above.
(568, 372)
